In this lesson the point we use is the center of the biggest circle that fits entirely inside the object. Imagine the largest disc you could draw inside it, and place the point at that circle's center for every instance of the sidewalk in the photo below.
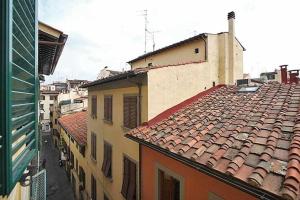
(58, 185)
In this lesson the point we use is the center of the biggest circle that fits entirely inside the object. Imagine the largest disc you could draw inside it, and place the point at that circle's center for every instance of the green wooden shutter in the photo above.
(19, 89)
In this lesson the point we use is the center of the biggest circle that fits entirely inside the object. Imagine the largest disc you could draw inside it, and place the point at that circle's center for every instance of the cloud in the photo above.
(111, 33)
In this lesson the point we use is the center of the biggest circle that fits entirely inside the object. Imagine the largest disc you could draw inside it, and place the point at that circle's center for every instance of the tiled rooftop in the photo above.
(254, 137)
(76, 125)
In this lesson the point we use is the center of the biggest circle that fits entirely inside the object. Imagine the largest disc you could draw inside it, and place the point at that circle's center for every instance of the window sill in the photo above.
(107, 122)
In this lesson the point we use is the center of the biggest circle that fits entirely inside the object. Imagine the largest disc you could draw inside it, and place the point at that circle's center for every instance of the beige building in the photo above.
(157, 81)
(220, 55)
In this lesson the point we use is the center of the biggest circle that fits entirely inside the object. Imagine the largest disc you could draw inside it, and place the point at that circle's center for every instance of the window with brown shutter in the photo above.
(107, 160)
(82, 177)
(93, 188)
(108, 108)
(94, 107)
(169, 187)
(130, 115)
(129, 180)
(93, 146)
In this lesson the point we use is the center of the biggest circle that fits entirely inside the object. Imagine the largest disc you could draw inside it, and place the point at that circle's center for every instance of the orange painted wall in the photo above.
(197, 185)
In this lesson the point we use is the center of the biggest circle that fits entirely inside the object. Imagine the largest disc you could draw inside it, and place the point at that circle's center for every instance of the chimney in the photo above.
(231, 46)
(294, 76)
(283, 72)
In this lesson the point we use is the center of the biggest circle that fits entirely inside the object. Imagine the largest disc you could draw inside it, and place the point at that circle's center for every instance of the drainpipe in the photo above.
(139, 104)
(205, 47)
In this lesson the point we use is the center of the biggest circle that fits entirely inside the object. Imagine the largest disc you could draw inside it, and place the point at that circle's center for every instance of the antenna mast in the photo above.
(146, 29)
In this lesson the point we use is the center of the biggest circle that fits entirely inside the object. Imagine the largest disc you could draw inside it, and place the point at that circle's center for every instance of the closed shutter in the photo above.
(19, 91)
(94, 106)
(125, 177)
(130, 111)
(93, 145)
(108, 108)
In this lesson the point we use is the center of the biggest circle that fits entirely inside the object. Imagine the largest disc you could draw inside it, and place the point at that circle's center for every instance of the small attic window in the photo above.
(248, 89)
(197, 50)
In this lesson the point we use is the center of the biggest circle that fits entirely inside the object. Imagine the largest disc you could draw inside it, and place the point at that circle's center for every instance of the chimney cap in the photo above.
(231, 15)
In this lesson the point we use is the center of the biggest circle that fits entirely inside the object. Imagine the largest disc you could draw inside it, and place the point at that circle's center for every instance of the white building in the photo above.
(47, 101)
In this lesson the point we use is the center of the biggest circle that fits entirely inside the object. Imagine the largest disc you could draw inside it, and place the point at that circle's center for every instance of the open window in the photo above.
(169, 185)
(129, 179)
(107, 160)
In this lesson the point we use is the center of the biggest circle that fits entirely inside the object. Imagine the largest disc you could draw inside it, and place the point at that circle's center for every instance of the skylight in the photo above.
(247, 89)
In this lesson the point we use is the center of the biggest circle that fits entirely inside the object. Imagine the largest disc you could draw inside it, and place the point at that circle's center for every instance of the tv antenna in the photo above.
(146, 29)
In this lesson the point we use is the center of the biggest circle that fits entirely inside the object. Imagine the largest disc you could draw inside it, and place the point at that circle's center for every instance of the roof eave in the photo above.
(129, 74)
(257, 192)
(168, 47)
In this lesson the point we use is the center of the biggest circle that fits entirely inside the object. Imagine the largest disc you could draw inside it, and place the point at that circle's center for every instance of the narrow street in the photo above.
(58, 185)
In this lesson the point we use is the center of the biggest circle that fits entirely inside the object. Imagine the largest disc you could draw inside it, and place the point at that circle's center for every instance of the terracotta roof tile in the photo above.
(254, 137)
(76, 125)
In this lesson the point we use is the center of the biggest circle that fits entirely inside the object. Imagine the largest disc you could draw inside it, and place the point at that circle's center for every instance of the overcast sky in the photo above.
(110, 33)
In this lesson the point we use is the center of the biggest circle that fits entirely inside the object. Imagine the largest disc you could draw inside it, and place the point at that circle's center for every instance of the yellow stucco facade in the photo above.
(221, 63)
(112, 133)
(180, 54)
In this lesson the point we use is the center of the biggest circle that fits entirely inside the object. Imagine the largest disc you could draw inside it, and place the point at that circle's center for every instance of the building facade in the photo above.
(220, 56)
(47, 100)
(121, 102)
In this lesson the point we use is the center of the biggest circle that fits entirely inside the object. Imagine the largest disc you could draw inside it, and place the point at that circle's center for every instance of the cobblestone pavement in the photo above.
(58, 185)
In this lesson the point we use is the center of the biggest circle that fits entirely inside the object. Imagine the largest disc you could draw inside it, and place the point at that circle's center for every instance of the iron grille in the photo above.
(38, 187)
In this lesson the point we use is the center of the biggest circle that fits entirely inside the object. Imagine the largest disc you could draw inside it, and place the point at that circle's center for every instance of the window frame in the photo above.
(159, 167)
(108, 111)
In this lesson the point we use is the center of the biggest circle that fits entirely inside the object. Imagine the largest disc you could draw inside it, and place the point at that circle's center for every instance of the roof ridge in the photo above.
(293, 167)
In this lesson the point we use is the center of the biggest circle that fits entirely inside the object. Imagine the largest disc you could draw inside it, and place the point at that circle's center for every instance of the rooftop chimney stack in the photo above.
(231, 42)
(231, 26)
(283, 72)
